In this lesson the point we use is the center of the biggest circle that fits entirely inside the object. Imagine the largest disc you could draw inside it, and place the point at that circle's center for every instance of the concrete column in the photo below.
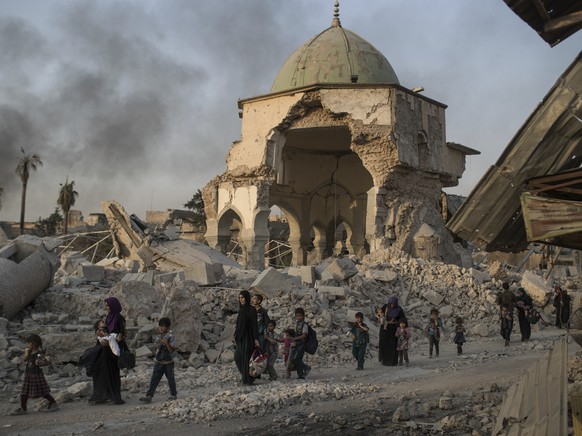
(375, 218)
(358, 239)
(253, 245)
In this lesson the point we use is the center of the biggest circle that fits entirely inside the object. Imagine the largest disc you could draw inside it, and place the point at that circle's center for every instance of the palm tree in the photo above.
(67, 197)
(26, 163)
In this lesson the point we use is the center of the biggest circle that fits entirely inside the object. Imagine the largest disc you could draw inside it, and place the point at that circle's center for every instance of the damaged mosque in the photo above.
(338, 142)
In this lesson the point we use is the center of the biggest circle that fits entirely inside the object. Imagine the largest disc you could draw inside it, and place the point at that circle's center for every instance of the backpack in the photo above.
(311, 342)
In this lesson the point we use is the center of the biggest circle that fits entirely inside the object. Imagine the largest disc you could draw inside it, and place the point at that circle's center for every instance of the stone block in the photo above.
(205, 274)
(333, 292)
(477, 276)
(143, 351)
(81, 389)
(342, 269)
(70, 261)
(227, 356)
(480, 329)
(446, 311)
(270, 282)
(536, 287)
(433, 297)
(91, 272)
(167, 278)
(305, 273)
(211, 355)
(384, 275)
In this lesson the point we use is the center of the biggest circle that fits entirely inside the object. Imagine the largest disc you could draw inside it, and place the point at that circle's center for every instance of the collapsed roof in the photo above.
(547, 146)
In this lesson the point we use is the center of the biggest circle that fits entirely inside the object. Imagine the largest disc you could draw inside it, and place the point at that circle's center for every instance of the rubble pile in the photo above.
(203, 319)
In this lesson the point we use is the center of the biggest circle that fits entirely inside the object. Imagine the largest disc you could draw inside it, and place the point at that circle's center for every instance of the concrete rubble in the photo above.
(203, 320)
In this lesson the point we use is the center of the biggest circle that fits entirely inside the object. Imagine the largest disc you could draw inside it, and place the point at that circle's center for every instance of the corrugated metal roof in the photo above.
(550, 141)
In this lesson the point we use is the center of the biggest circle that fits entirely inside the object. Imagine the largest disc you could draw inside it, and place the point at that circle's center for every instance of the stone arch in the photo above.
(339, 235)
(423, 150)
(230, 226)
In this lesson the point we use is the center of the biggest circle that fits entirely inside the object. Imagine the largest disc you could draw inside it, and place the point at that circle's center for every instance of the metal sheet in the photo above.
(538, 403)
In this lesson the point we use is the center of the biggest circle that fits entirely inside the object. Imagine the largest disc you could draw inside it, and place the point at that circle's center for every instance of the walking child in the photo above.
(298, 350)
(288, 343)
(433, 330)
(360, 339)
(34, 384)
(272, 350)
(262, 319)
(506, 320)
(164, 344)
(459, 335)
(403, 335)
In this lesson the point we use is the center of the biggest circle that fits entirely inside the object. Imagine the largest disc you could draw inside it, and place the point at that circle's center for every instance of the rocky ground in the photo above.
(453, 395)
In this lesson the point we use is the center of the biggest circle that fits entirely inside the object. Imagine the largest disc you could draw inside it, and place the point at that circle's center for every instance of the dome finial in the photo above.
(336, 21)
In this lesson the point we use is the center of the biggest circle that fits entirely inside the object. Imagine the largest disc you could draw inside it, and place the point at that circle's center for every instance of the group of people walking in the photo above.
(255, 331)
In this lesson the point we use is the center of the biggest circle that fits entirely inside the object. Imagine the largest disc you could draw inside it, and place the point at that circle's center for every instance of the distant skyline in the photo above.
(136, 101)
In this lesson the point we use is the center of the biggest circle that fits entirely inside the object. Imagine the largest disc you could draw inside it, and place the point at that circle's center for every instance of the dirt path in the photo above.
(484, 362)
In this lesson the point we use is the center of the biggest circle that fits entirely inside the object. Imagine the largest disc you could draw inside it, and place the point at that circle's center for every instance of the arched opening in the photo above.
(320, 176)
(229, 228)
(340, 244)
(423, 151)
(278, 252)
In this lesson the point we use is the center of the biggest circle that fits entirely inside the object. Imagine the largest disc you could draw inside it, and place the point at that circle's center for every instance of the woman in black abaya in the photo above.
(106, 377)
(393, 314)
(246, 336)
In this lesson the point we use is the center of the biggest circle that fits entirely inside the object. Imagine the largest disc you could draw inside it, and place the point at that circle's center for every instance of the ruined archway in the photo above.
(319, 177)
(230, 225)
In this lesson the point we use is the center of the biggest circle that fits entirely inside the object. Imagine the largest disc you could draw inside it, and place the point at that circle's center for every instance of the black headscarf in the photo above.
(244, 314)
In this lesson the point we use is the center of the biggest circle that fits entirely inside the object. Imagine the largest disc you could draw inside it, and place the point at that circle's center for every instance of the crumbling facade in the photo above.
(337, 141)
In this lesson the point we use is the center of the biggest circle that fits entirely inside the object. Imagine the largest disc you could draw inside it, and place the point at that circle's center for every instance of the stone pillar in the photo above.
(375, 218)
(253, 243)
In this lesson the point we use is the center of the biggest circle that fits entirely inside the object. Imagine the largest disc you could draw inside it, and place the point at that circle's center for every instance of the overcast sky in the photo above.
(136, 101)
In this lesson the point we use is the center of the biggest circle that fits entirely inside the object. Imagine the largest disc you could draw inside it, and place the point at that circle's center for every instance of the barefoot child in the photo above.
(34, 384)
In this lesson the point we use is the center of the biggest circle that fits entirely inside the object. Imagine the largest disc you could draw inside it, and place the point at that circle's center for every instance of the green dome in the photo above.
(336, 55)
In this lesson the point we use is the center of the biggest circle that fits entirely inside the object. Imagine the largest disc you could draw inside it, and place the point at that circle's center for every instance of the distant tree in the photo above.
(67, 197)
(48, 226)
(25, 164)
(196, 204)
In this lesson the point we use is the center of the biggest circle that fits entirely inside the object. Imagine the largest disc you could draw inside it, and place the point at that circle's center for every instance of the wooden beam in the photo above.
(541, 10)
(561, 23)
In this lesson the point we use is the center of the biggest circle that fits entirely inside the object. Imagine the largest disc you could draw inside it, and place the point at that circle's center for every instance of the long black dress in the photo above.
(245, 335)
(106, 377)
(524, 305)
(392, 340)
(562, 304)
(387, 353)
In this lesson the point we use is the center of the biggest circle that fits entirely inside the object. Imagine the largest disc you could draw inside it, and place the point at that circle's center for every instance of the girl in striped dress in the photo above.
(34, 384)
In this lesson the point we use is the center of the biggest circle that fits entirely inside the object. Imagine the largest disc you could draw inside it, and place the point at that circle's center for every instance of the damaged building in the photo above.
(337, 141)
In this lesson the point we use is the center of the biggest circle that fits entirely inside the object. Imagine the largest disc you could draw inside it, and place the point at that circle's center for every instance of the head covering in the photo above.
(247, 296)
(392, 312)
(114, 313)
